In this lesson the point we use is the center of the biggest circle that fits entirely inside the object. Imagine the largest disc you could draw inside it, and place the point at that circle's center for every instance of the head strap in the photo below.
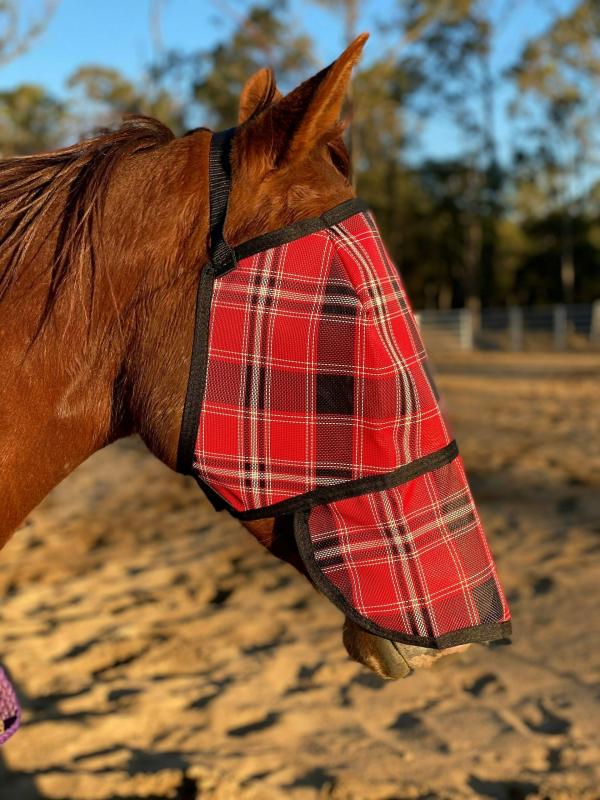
(221, 254)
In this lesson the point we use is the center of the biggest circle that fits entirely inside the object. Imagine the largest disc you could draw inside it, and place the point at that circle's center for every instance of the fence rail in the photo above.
(558, 327)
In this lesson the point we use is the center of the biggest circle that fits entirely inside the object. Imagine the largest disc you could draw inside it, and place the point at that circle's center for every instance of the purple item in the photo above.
(10, 712)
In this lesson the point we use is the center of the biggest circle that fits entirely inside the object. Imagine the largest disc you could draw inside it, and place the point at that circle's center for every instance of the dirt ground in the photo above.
(159, 652)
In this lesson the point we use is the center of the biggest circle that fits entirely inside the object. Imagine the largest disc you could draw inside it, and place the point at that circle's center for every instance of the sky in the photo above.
(117, 33)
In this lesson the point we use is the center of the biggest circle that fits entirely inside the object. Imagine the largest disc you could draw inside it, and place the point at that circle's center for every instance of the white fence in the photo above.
(558, 327)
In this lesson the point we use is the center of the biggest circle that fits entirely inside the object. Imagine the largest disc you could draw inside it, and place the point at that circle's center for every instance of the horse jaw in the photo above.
(389, 660)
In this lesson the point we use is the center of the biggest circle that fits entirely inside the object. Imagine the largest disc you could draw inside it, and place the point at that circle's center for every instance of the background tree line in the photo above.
(479, 228)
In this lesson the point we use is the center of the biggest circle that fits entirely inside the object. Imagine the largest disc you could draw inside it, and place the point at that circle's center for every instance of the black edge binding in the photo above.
(368, 483)
(197, 376)
(222, 259)
(196, 384)
(301, 228)
(486, 632)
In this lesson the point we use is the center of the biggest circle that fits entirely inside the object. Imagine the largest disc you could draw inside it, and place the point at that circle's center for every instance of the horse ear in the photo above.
(308, 116)
(259, 92)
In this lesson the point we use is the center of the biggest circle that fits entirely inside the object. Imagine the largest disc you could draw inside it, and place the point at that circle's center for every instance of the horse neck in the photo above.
(54, 412)
(57, 396)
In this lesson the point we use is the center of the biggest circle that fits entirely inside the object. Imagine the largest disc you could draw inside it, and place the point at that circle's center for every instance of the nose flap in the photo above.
(410, 563)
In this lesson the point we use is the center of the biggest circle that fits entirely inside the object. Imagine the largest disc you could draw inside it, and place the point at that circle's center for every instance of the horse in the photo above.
(100, 248)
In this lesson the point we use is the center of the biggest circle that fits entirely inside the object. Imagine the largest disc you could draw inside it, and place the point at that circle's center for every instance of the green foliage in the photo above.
(215, 76)
(558, 112)
(471, 228)
(30, 120)
(111, 95)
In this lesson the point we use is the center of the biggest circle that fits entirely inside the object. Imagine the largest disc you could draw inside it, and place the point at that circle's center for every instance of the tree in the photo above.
(452, 44)
(214, 77)
(106, 95)
(380, 141)
(30, 120)
(557, 79)
(13, 41)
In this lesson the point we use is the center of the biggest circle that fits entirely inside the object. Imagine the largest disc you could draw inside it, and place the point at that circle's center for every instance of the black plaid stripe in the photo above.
(348, 402)
(317, 375)
(393, 534)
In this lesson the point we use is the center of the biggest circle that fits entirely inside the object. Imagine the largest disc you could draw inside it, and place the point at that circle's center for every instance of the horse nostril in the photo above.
(375, 652)
(388, 659)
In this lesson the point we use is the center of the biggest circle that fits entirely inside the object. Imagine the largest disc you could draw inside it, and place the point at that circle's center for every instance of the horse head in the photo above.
(110, 281)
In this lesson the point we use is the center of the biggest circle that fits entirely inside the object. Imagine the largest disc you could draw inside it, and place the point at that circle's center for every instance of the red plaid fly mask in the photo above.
(310, 400)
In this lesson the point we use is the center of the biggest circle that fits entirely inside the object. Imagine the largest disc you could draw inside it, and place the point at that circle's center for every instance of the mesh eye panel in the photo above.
(314, 371)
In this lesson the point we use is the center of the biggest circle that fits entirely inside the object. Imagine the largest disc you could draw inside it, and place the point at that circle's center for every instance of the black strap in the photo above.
(221, 254)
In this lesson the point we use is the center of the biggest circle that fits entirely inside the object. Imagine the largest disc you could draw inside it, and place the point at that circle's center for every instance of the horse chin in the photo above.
(389, 660)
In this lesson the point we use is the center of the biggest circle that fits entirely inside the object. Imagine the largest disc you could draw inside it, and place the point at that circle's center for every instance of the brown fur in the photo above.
(101, 245)
(258, 93)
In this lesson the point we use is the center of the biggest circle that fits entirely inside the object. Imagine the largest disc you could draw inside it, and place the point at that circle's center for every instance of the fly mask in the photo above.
(310, 397)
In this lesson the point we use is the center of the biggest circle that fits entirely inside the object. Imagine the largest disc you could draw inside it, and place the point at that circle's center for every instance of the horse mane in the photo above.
(77, 176)
(81, 172)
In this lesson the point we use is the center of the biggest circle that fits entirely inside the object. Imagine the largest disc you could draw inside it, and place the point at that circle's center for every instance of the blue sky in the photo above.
(117, 33)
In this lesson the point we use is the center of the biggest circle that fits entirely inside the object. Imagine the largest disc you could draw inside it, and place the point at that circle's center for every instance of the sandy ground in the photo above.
(159, 652)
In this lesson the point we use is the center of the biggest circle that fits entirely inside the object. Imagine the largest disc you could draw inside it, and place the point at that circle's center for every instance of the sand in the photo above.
(159, 652)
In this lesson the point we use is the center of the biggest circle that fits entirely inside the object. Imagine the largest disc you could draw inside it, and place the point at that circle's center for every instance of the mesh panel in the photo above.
(316, 376)
(414, 558)
(314, 371)
(10, 713)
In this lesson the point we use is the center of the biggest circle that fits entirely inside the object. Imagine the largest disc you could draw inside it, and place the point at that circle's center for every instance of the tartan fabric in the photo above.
(10, 713)
(315, 370)
(413, 558)
(316, 376)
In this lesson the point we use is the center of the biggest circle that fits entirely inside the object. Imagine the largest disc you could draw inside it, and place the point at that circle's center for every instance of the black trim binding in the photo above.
(301, 228)
(486, 632)
(221, 260)
(353, 488)
(197, 376)
(195, 387)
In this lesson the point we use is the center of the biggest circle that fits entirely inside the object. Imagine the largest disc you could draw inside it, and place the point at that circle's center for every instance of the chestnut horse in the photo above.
(100, 247)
